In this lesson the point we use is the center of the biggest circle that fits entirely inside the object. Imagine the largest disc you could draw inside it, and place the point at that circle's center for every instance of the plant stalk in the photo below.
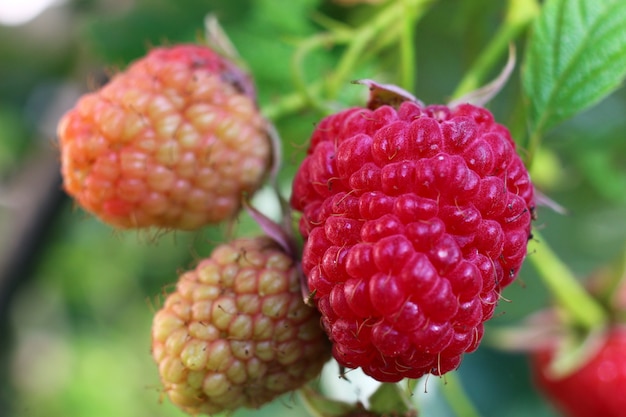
(456, 396)
(518, 16)
(570, 295)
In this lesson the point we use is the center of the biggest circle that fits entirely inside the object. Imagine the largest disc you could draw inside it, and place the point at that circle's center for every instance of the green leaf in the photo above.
(150, 23)
(576, 56)
(322, 406)
(390, 399)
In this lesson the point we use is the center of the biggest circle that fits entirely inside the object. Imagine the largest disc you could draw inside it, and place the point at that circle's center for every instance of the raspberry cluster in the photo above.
(414, 219)
(173, 142)
(236, 332)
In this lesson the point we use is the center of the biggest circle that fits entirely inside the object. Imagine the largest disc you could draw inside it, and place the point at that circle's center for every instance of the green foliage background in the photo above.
(76, 333)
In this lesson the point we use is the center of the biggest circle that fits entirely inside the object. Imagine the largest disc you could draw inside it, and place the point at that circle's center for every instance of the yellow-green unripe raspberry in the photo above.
(174, 141)
(236, 332)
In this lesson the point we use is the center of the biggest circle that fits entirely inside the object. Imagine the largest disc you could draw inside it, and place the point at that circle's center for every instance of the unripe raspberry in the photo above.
(173, 142)
(236, 332)
(415, 218)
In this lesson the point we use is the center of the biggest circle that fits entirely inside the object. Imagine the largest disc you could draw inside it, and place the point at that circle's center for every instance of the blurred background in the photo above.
(77, 298)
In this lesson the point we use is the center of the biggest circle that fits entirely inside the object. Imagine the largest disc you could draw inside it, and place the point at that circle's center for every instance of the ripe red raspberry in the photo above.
(595, 389)
(236, 332)
(414, 221)
(173, 141)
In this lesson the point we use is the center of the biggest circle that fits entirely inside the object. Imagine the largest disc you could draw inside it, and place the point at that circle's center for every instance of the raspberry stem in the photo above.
(277, 232)
(319, 405)
(382, 22)
(577, 303)
(618, 279)
(534, 142)
(360, 42)
(310, 94)
(457, 398)
(481, 96)
(519, 14)
(291, 103)
(407, 48)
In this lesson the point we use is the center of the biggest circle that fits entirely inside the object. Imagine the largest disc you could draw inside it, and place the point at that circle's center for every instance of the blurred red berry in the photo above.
(594, 389)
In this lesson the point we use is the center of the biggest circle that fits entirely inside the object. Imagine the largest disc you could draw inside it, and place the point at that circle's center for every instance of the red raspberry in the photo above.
(595, 389)
(174, 141)
(236, 332)
(414, 220)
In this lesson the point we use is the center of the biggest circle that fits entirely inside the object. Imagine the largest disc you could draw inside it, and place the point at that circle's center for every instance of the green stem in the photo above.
(291, 103)
(407, 49)
(363, 36)
(319, 405)
(534, 141)
(517, 124)
(617, 280)
(457, 398)
(350, 58)
(578, 304)
(519, 14)
(297, 68)
(357, 41)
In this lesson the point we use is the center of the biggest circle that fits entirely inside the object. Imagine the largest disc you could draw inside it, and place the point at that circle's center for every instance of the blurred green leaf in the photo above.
(390, 398)
(267, 40)
(13, 140)
(322, 406)
(576, 56)
(287, 17)
(150, 23)
(605, 173)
